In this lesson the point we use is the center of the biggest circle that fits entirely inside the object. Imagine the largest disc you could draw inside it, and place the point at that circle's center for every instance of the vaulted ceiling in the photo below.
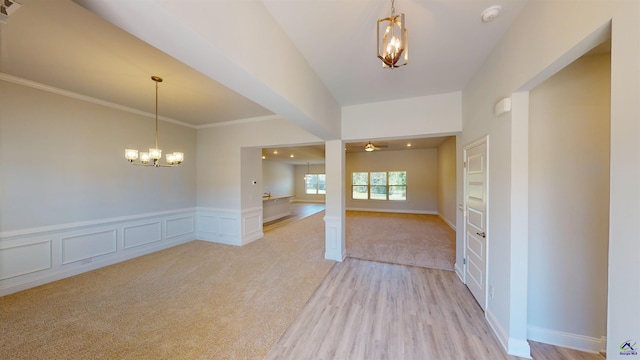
(69, 46)
(60, 44)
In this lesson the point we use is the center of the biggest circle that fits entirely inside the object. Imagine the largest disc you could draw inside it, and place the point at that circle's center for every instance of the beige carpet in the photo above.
(198, 300)
(407, 239)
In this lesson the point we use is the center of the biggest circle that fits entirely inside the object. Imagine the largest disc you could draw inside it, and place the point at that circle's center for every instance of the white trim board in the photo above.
(568, 340)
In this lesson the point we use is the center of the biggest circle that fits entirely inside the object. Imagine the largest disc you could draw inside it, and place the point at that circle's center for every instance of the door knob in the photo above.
(482, 234)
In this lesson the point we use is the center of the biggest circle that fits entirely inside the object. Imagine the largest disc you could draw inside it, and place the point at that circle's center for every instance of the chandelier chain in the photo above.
(156, 113)
(393, 8)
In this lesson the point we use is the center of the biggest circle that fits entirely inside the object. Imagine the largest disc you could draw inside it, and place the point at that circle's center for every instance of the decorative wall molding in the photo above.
(141, 234)
(88, 245)
(13, 259)
(36, 256)
(252, 225)
(89, 99)
(219, 225)
(567, 340)
(231, 227)
(73, 95)
(334, 242)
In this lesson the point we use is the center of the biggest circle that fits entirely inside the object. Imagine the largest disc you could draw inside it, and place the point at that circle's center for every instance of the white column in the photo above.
(334, 219)
(519, 267)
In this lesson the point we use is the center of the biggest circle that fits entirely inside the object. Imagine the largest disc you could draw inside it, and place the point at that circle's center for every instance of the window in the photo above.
(382, 185)
(315, 184)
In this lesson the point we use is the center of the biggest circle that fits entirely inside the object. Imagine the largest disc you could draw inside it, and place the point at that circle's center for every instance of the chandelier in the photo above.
(154, 155)
(393, 41)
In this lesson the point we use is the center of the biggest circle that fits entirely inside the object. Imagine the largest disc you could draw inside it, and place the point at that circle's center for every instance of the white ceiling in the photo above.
(314, 154)
(62, 45)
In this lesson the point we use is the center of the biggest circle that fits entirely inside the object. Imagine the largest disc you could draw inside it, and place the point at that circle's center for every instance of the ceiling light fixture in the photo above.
(152, 157)
(393, 41)
(369, 147)
(307, 174)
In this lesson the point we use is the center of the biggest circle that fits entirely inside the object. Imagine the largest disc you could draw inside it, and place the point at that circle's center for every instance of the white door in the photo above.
(475, 171)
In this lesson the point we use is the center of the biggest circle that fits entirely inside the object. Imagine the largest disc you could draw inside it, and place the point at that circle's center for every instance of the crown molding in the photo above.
(73, 95)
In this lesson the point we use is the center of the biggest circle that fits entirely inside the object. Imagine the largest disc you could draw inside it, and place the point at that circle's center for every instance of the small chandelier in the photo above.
(394, 40)
(152, 157)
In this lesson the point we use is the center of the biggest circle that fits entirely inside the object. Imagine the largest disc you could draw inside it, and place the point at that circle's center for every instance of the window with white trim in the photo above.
(315, 184)
(379, 185)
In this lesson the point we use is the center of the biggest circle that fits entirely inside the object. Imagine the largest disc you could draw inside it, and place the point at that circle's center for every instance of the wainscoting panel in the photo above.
(180, 226)
(81, 247)
(219, 225)
(142, 234)
(251, 225)
(32, 257)
(25, 259)
(335, 248)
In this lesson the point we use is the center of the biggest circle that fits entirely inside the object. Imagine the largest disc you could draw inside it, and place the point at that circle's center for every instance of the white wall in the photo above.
(300, 195)
(569, 202)
(421, 166)
(278, 178)
(229, 205)
(219, 157)
(447, 181)
(426, 115)
(538, 44)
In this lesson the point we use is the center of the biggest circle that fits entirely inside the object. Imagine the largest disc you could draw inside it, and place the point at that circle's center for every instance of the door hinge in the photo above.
(464, 261)
(464, 164)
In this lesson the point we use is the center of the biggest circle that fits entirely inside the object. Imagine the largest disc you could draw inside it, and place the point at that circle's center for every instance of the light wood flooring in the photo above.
(299, 211)
(371, 310)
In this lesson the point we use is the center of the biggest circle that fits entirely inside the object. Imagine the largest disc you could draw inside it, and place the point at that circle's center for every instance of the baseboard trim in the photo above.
(497, 329)
(512, 346)
(420, 212)
(308, 201)
(446, 221)
(459, 272)
(568, 340)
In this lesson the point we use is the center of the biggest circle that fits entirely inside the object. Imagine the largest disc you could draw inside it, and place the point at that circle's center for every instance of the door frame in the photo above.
(484, 139)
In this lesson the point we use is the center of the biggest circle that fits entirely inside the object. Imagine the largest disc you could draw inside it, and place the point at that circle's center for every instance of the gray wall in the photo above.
(63, 161)
(277, 178)
(422, 179)
(447, 181)
(569, 200)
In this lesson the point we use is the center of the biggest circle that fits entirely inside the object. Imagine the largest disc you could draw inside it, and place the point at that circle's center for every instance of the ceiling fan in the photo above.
(371, 147)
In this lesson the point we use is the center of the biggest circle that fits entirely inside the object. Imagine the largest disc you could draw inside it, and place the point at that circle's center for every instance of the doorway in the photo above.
(569, 150)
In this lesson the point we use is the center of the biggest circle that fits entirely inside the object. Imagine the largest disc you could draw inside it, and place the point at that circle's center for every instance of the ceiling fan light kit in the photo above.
(152, 158)
(393, 40)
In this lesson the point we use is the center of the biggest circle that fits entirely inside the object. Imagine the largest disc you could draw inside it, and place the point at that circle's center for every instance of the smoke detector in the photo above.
(490, 13)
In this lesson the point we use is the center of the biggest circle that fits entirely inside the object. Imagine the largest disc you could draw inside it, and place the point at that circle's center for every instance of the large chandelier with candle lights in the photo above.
(393, 40)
